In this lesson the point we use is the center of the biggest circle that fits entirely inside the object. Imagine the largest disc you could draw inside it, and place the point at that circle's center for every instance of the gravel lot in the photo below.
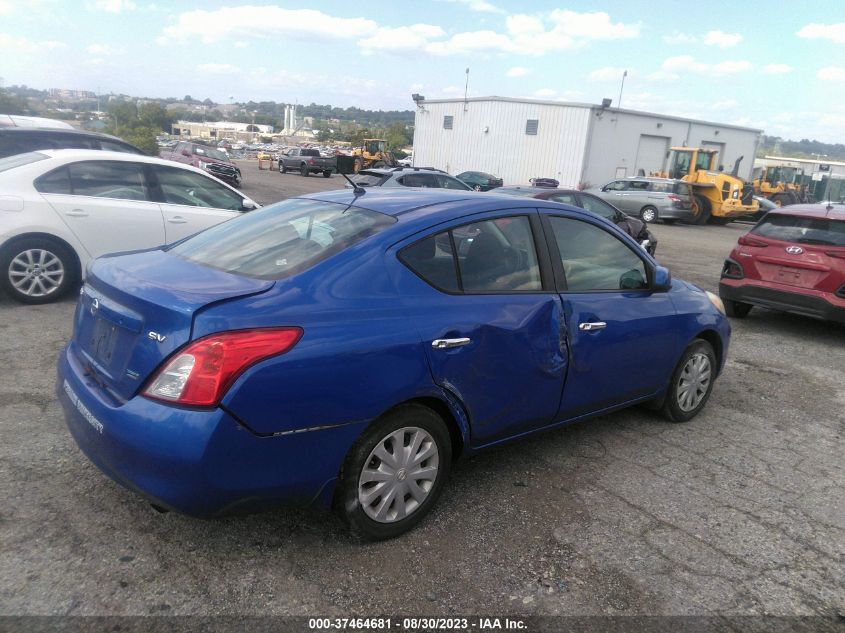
(739, 512)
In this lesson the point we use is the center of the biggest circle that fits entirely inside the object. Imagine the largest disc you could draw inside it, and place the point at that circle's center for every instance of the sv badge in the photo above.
(155, 336)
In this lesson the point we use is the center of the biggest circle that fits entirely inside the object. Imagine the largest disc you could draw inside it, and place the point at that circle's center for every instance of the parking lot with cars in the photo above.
(737, 512)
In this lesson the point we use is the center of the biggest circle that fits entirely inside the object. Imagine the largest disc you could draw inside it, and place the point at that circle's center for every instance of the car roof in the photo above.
(832, 211)
(549, 190)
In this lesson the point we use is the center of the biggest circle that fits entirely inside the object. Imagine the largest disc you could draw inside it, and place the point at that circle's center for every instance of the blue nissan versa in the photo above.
(342, 350)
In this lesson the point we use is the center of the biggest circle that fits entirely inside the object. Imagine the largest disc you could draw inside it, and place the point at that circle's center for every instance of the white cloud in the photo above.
(401, 39)
(608, 73)
(113, 6)
(679, 38)
(834, 32)
(722, 39)
(265, 21)
(104, 49)
(218, 69)
(725, 104)
(831, 73)
(523, 34)
(518, 71)
(545, 92)
(777, 69)
(6, 7)
(13, 44)
(686, 63)
(481, 6)
(416, 87)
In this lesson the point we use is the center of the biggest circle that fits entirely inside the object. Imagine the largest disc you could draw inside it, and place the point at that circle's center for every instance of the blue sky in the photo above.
(762, 64)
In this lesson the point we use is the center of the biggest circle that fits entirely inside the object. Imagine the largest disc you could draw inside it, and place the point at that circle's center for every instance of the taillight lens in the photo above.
(732, 270)
(201, 373)
(745, 240)
(674, 198)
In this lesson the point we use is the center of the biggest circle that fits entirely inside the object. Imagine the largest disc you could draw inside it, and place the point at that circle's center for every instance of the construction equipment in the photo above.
(782, 184)
(373, 153)
(717, 197)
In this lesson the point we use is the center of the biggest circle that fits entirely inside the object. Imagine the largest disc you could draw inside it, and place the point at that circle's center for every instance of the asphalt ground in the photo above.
(739, 512)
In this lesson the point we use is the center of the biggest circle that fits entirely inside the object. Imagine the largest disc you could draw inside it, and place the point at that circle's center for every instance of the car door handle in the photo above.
(177, 219)
(592, 325)
(77, 213)
(446, 343)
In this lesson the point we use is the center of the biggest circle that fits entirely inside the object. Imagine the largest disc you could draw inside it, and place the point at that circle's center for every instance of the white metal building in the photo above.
(575, 143)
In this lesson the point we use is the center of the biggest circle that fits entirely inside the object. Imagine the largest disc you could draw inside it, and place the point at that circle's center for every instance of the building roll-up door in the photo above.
(651, 154)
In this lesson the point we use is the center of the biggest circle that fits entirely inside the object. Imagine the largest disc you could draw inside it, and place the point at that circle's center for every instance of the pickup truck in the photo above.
(307, 161)
(210, 160)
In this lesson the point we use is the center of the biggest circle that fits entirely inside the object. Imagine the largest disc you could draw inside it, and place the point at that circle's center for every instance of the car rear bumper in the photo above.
(812, 303)
(200, 463)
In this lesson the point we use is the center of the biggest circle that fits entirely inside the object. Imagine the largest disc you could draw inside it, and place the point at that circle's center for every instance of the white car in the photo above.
(61, 208)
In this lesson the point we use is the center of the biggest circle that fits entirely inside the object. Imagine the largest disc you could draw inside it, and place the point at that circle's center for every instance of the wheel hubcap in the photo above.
(694, 382)
(398, 475)
(36, 272)
(648, 215)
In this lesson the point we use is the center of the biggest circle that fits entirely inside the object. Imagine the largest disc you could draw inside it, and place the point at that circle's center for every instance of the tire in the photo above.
(648, 214)
(362, 506)
(303, 171)
(358, 165)
(682, 402)
(736, 309)
(282, 168)
(327, 174)
(37, 270)
(703, 210)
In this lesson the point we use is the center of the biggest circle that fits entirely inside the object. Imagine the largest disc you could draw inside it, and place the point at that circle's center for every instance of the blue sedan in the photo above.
(343, 349)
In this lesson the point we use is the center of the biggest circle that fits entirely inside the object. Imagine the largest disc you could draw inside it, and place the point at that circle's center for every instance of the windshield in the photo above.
(680, 164)
(782, 174)
(19, 160)
(803, 230)
(211, 153)
(283, 239)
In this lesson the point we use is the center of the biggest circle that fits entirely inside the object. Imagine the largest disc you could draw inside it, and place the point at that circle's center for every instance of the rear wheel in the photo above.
(702, 210)
(394, 473)
(736, 309)
(37, 270)
(648, 214)
(303, 171)
(692, 382)
(327, 174)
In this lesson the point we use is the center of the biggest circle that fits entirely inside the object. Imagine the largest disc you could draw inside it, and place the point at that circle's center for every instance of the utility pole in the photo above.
(619, 103)
(466, 88)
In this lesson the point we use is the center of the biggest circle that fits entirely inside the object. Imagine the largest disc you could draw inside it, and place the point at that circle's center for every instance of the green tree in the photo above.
(153, 115)
(397, 136)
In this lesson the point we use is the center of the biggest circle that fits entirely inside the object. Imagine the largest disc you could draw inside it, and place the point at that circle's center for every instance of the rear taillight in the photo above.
(732, 270)
(310, 161)
(201, 373)
(674, 198)
(744, 240)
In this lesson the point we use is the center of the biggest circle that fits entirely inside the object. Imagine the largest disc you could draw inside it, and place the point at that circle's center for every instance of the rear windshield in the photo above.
(19, 160)
(804, 230)
(283, 239)
(527, 193)
(369, 179)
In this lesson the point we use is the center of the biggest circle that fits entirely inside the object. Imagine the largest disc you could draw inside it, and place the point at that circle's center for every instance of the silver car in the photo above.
(424, 177)
(649, 199)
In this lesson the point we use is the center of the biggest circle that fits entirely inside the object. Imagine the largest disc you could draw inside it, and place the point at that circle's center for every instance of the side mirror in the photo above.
(248, 205)
(662, 279)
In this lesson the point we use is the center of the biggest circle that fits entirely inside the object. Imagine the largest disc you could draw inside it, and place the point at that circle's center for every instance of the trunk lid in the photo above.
(138, 308)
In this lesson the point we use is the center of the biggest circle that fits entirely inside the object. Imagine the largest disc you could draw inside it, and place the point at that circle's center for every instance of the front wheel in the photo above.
(691, 383)
(282, 168)
(648, 214)
(303, 171)
(394, 473)
(37, 270)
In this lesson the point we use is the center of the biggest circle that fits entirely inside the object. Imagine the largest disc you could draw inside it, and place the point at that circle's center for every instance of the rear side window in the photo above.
(366, 179)
(804, 230)
(57, 181)
(112, 146)
(107, 179)
(599, 207)
(638, 185)
(418, 180)
(661, 187)
(682, 188)
(447, 182)
(283, 239)
(482, 257)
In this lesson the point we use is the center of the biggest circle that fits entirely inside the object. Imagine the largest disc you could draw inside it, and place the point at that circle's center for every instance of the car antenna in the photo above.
(356, 188)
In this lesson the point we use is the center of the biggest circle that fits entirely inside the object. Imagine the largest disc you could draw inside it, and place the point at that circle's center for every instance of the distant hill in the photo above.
(774, 145)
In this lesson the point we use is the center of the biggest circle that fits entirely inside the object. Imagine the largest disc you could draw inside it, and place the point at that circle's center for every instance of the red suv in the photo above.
(793, 260)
